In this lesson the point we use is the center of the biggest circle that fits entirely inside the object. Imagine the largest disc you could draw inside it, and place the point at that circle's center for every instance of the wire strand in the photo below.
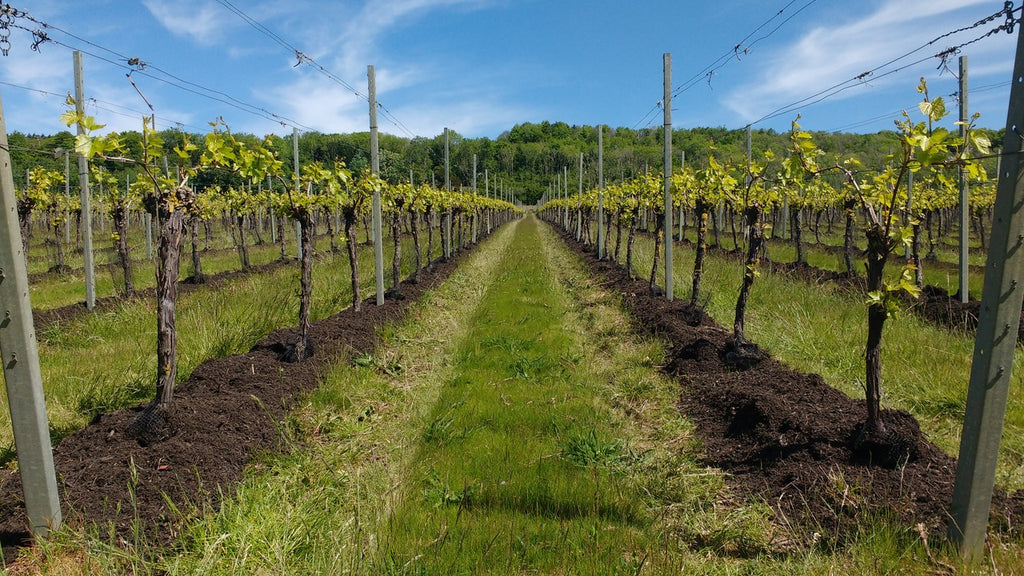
(862, 78)
(135, 65)
(307, 59)
(707, 73)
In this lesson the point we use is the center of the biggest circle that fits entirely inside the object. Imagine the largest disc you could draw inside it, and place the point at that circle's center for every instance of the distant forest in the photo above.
(525, 159)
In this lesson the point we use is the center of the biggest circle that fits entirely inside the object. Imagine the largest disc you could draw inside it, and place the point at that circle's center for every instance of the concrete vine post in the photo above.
(668, 175)
(600, 193)
(298, 190)
(475, 210)
(378, 226)
(448, 211)
(965, 210)
(83, 179)
(995, 343)
(21, 370)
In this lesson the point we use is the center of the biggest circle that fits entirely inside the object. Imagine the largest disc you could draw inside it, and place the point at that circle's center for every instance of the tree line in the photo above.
(524, 159)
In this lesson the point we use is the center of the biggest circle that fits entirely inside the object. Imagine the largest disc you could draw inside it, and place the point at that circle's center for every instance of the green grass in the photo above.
(357, 429)
(517, 459)
(404, 463)
(559, 479)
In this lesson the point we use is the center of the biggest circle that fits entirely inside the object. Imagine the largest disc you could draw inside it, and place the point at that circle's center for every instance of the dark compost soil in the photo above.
(228, 411)
(788, 438)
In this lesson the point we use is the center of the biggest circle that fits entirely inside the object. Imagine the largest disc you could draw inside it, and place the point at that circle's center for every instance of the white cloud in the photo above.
(324, 106)
(41, 80)
(197, 19)
(468, 117)
(49, 69)
(829, 55)
(349, 49)
(328, 107)
(319, 102)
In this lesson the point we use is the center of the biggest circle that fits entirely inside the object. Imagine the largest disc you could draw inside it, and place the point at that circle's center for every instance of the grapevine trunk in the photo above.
(756, 233)
(120, 214)
(353, 259)
(702, 246)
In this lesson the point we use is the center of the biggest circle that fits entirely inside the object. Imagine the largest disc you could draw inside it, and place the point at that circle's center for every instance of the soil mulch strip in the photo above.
(225, 414)
(789, 439)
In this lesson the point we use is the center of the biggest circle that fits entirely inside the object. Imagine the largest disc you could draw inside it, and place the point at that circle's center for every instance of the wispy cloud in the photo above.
(357, 42)
(379, 17)
(403, 86)
(331, 108)
(829, 55)
(468, 117)
(197, 19)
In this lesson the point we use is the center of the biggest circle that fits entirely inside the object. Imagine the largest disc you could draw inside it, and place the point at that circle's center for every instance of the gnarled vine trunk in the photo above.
(303, 347)
(153, 424)
(353, 259)
(654, 267)
(756, 233)
(849, 207)
(120, 216)
(430, 236)
(879, 247)
(396, 238)
(796, 234)
(58, 232)
(197, 264)
(618, 234)
(414, 228)
(629, 245)
(701, 213)
(281, 238)
(243, 247)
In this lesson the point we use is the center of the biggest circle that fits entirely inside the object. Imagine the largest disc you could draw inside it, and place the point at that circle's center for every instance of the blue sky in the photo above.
(482, 66)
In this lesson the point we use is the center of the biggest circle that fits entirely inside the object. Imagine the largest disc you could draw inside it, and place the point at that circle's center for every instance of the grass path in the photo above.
(520, 457)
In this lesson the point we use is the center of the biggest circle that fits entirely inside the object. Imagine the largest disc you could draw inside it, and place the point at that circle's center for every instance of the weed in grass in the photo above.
(437, 492)
(363, 360)
(527, 368)
(584, 448)
(439, 430)
(388, 364)
(508, 344)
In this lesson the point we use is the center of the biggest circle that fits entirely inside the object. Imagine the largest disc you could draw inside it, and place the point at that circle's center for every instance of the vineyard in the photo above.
(570, 350)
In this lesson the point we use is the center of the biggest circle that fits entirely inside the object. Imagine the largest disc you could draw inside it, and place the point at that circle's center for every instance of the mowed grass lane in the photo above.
(520, 465)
